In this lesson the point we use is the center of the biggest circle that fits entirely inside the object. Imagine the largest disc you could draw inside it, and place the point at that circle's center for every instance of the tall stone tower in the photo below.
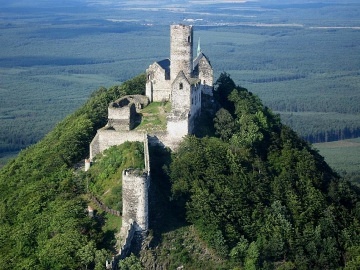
(135, 189)
(181, 50)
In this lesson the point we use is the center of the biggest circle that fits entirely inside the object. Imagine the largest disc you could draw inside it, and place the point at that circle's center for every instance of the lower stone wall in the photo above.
(163, 139)
(103, 207)
(157, 138)
(105, 138)
(135, 194)
(135, 189)
(192, 121)
(177, 126)
(128, 235)
(146, 155)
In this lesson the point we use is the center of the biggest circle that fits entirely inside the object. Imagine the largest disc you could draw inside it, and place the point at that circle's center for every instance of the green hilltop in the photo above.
(244, 193)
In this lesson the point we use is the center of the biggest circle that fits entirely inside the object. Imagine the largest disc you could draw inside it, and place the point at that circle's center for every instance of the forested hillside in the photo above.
(246, 194)
(261, 196)
(43, 222)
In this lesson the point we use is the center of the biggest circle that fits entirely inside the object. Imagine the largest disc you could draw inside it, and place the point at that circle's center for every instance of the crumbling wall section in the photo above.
(195, 96)
(135, 193)
(157, 83)
(206, 76)
(123, 113)
(121, 118)
(177, 125)
(105, 138)
(128, 234)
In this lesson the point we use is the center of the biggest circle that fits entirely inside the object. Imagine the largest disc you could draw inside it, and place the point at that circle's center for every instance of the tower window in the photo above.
(181, 86)
(189, 39)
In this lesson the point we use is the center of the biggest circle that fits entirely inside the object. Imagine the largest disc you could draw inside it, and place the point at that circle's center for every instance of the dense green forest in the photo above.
(261, 196)
(247, 194)
(43, 222)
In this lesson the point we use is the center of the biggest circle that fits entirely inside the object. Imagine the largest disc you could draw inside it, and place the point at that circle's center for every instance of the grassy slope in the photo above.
(104, 177)
(154, 117)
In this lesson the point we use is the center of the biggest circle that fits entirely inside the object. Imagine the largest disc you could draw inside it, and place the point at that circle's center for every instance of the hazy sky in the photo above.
(19, 3)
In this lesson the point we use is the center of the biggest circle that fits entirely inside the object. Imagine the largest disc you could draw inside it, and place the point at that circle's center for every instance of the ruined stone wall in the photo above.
(121, 113)
(135, 204)
(128, 235)
(157, 86)
(177, 126)
(105, 138)
(146, 154)
(206, 75)
(164, 139)
(181, 50)
(135, 184)
(195, 99)
(157, 138)
(181, 95)
(122, 118)
(135, 189)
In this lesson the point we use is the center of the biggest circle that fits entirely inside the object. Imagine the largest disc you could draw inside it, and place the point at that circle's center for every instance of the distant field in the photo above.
(341, 155)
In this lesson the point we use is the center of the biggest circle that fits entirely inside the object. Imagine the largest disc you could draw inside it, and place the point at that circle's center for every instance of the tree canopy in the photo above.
(261, 196)
(43, 222)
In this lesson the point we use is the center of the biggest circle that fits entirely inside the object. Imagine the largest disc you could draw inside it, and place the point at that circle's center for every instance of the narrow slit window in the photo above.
(181, 86)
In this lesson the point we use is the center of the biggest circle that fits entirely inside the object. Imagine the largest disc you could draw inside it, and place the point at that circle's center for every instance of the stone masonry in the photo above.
(183, 81)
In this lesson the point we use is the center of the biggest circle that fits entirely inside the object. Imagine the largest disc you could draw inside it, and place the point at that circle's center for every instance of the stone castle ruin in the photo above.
(182, 80)
(123, 113)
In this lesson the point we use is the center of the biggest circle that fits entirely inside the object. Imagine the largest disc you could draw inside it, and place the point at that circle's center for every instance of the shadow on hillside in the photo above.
(105, 236)
(164, 215)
